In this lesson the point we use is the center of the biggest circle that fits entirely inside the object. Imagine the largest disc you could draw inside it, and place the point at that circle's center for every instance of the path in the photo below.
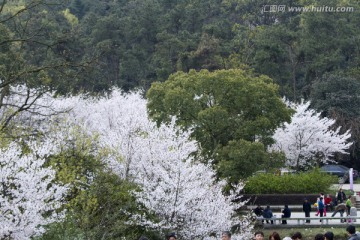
(356, 187)
(312, 214)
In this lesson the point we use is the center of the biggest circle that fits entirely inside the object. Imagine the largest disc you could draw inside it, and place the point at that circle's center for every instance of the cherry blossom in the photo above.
(308, 137)
(27, 191)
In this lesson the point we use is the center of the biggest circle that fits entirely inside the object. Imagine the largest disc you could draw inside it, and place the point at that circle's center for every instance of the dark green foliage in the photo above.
(100, 212)
(303, 182)
(134, 43)
(240, 159)
(77, 8)
(66, 230)
(232, 114)
(337, 93)
(337, 96)
(222, 107)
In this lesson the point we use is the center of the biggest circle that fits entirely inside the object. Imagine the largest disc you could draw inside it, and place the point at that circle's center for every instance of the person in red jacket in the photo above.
(328, 202)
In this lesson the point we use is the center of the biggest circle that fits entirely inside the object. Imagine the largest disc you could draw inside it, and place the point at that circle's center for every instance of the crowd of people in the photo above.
(340, 204)
(350, 230)
(259, 235)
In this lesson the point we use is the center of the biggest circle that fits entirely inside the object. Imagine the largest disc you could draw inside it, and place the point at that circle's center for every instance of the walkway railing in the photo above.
(302, 221)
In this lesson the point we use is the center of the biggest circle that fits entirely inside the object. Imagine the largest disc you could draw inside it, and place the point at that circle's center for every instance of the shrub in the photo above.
(303, 182)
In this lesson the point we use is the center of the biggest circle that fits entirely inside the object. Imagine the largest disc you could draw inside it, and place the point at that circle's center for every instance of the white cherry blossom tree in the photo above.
(308, 137)
(182, 192)
(28, 197)
(179, 190)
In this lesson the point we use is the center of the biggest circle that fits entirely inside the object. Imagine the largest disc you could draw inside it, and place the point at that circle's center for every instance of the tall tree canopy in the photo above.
(220, 106)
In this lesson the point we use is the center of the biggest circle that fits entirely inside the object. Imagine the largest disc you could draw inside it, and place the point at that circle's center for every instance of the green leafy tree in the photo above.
(240, 159)
(221, 106)
(101, 211)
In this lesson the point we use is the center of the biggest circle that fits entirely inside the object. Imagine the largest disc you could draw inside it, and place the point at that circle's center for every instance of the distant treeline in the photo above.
(91, 46)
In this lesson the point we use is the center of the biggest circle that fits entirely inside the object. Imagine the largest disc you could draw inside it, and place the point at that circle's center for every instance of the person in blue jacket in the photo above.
(321, 207)
(267, 214)
(286, 213)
